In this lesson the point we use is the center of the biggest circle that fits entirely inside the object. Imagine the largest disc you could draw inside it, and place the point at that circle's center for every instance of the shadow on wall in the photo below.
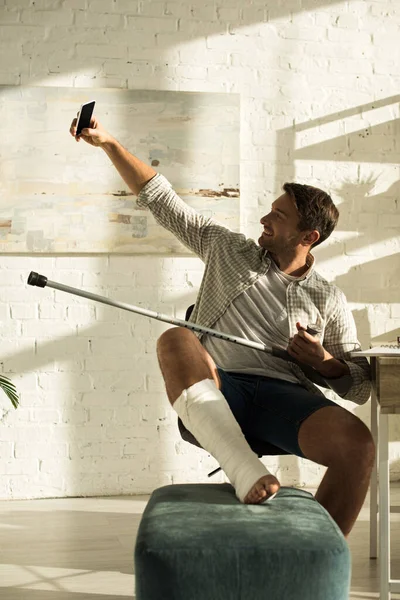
(157, 45)
(104, 415)
(372, 218)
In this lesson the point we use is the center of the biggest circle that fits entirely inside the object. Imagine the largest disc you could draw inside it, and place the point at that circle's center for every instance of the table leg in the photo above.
(384, 508)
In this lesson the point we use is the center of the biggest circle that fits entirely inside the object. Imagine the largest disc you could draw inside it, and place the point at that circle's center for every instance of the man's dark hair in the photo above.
(316, 209)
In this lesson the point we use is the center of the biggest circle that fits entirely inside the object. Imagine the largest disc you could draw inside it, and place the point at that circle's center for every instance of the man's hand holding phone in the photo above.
(95, 135)
(133, 171)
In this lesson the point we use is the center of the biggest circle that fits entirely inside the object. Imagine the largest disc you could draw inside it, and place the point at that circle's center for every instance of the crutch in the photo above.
(41, 281)
(35, 279)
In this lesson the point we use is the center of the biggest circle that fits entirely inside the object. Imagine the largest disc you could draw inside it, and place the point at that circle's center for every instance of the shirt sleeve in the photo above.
(340, 340)
(194, 230)
(340, 385)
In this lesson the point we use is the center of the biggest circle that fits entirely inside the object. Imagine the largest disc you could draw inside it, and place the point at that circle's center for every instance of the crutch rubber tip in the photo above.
(36, 279)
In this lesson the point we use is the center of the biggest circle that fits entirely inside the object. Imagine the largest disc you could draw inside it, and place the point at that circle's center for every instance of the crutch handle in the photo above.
(36, 279)
(284, 354)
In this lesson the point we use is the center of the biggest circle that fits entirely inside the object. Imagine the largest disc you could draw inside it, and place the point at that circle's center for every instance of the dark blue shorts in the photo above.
(270, 411)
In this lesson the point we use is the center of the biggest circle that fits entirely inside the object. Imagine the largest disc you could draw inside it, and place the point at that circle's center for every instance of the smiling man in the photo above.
(236, 401)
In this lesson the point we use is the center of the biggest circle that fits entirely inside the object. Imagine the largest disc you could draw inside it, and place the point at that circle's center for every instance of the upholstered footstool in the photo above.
(198, 542)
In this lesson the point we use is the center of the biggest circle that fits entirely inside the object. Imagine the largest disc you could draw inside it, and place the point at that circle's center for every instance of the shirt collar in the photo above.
(310, 262)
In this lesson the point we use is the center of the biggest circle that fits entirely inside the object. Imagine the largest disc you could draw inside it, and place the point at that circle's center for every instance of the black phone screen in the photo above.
(85, 116)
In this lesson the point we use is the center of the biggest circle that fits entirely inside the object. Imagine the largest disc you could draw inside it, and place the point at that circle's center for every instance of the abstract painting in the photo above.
(59, 196)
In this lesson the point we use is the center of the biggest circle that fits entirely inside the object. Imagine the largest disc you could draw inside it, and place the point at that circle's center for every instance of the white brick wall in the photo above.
(94, 418)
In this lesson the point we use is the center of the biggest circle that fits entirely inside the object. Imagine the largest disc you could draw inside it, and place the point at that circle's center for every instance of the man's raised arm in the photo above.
(154, 192)
(133, 171)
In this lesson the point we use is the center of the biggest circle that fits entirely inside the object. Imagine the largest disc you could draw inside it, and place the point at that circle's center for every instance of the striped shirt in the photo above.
(234, 262)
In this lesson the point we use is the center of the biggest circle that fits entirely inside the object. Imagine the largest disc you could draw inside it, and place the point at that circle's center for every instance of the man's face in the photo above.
(280, 226)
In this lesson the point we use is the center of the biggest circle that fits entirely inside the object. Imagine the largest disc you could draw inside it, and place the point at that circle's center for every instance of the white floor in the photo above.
(82, 549)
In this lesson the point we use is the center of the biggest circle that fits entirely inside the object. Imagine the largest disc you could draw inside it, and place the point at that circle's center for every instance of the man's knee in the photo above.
(357, 447)
(364, 444)
(333, 436)
(173, 339)
(183, 360)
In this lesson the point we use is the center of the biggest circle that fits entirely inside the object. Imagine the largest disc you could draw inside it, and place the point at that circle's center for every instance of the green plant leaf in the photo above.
(10, 390)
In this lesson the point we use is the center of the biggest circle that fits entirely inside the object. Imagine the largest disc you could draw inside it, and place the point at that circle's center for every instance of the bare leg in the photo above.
(184, 362)
(342, 493)
(337, 439)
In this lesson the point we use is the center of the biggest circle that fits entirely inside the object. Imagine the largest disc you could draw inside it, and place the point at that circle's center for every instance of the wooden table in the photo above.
(385, 400)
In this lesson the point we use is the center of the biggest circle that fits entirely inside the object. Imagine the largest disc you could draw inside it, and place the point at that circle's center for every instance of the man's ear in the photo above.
(310, 238)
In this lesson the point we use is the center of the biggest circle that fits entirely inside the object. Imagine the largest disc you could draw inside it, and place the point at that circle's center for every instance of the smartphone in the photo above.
(84, 117)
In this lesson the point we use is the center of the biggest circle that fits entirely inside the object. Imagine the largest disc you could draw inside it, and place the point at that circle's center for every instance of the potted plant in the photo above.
(9, 389)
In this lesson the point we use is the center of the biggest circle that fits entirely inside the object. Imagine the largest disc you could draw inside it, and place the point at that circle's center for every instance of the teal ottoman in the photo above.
(198, 542)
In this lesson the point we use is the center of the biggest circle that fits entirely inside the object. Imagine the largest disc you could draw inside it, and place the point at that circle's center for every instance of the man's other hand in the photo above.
(307, 349)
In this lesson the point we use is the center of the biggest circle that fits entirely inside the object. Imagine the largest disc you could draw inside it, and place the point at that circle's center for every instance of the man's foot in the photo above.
(262, 490)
